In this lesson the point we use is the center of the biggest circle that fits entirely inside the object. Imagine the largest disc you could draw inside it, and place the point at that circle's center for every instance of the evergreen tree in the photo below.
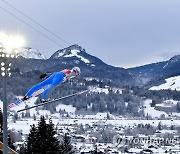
(108, 116)
(22, 115)
(159, 126)
(178, 107)
(95, 150)
(42, 138)
(15, 117)
(10, 143)
(22, 150)
(32, 139)
(52, 140)
(34, 117)
(153, 104)
(27, 115)
(82, 128)
(66, 147)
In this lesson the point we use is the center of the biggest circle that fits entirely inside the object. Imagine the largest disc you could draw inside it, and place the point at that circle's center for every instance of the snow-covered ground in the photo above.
(91, 79)
(68, 108)
(104, 90)
(172, 83)
(168, 103)
(99, 90)
(26, 123)
(151, 110)
(87, 119)
(23, 126)
(96, 116)
(1, 104)
(66, 123)
(30, 53)
(75, 53)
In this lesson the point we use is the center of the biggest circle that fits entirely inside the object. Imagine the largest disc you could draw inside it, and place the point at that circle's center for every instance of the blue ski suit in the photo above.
(51, 81)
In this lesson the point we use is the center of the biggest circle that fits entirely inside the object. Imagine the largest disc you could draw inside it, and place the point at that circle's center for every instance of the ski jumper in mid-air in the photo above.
(52, 81)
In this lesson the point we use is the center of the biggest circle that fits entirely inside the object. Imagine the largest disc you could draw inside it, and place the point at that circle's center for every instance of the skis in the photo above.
(35, 94)
(52, 101)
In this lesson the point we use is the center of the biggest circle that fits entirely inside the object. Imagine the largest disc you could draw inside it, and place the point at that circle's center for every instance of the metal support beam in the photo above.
(5, 136)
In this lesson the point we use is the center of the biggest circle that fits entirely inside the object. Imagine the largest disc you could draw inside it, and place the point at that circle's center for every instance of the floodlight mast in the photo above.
(7, 46)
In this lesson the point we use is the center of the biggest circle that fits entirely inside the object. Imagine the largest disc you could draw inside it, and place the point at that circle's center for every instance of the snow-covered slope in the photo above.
(99, 90)
(1, 104)
(75, 53)
(172, 83)
(72, 51)
(30, 53)
(153, 73)
(68, 108)
(151, 110)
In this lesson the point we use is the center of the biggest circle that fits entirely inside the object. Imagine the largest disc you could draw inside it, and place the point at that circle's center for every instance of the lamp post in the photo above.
(5, 68)
(8, 43)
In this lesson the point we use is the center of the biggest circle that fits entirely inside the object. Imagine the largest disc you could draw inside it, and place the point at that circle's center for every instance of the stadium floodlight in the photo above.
(9, 47)
(3, 73)
(9, 42)
(2, 64)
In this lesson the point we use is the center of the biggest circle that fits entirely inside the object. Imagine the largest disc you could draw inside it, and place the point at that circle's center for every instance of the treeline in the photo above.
(43, 138)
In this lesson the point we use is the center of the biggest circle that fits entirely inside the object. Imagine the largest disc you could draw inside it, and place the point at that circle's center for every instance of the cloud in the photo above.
(121, 33)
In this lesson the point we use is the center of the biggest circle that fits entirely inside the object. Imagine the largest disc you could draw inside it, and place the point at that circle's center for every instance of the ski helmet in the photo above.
(76, 70)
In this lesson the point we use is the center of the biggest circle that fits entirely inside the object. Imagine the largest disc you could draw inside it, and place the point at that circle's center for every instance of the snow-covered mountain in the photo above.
(156, 73)
(172, 83)
(92, 66)
(30, 53)
(74, 50)
(76, 54)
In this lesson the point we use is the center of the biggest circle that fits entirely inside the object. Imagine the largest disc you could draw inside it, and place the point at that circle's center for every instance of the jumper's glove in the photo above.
(65, 79)
(42, 76)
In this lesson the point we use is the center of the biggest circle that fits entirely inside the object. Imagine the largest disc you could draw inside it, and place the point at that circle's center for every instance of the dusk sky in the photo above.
(123, 33)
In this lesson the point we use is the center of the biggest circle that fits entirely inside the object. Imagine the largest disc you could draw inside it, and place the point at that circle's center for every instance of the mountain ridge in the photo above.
(30, 53)
(156, 73)
(75, 55)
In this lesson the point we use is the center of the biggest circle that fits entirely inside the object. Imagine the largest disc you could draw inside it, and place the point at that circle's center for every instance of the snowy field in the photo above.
(25, 125)
(104, 90)
(117, 122)
(172, 83)
(100, 118)
(157, 114)
(151, 111)
(68, 108)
